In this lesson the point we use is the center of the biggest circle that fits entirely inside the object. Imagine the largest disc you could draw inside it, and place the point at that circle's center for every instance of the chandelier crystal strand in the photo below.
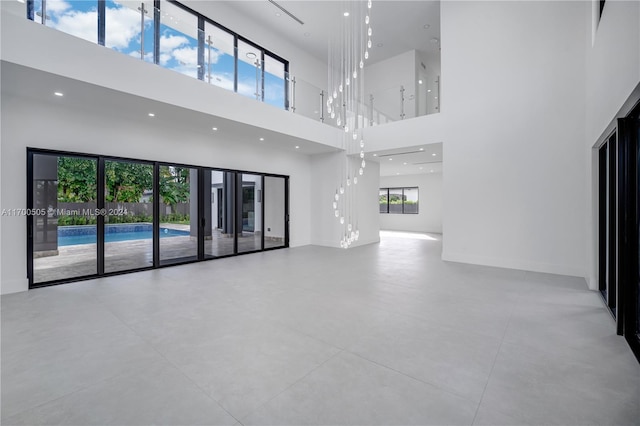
(348, 52)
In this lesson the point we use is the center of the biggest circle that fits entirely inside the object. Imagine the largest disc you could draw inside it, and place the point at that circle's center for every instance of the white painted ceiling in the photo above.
(398, 25)
(412, 160)
(20, 81)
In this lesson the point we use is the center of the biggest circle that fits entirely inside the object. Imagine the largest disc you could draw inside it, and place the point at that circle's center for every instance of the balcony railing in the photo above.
(175, 37)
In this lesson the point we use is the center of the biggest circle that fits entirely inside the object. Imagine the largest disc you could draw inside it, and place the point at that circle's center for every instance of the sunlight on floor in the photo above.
(409, 235)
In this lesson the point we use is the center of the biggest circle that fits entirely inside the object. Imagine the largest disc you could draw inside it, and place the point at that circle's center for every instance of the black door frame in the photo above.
(201, 220)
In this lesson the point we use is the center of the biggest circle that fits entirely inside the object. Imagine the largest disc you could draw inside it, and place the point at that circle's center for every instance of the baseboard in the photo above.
(522, 265)
(8, 286)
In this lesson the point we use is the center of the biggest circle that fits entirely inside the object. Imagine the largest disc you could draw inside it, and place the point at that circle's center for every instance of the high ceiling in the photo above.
(412, 160)
(398, 26)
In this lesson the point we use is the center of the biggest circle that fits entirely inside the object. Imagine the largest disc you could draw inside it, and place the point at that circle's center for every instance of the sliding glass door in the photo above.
(178, 214)
(92, 215)
(62, 217)
(128, 215)
(249, 235)
(219, 223)
(275, 218)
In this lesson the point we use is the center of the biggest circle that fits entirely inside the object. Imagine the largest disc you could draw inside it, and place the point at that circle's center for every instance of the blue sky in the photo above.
(178, 50)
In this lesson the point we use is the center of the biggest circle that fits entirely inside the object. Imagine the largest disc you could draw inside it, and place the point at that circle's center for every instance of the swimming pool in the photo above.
(86, 234)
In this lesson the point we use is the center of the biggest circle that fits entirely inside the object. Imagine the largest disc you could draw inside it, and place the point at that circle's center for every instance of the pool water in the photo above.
(76, 235)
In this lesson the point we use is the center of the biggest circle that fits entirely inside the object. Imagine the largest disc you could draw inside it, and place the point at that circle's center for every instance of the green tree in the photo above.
(174, 185)
(126, 182)
(76, 180)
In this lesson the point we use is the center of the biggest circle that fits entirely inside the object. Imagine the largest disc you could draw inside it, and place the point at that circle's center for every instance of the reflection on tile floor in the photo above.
(381, 334)
(80, 260)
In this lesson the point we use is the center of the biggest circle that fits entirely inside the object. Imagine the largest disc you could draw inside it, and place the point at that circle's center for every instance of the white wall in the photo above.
(613, 86)
(85, 130)
(429, 217)
(383, 79)
(514, 109)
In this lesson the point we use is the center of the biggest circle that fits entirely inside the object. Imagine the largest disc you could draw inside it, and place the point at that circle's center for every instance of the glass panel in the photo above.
(219, 229)
(250, 234)
(274, 82)
(178, 214)
(274, 212)
(384, 201)
(128, 229)
(64, 238)
(124, 24)
(78, 18)
(411, 200)
(178, 40)
(249, 71)
(219, 57)
(395, 200)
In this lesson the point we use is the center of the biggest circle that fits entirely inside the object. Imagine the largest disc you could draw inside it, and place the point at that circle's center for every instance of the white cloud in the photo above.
(122, 25)
(79, 24)
(215, 55)
(55, 7)
(164, 58)
(171, 42)
(186, 56)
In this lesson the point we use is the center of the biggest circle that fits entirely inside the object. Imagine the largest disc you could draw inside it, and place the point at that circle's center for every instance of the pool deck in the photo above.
(81, 260)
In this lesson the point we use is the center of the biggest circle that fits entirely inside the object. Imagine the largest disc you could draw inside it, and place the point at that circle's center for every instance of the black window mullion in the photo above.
(262, 74)
(102, 10)
(30, 233)
(202, 220)
(261, 198)
(156, 215)
(30, 14)
(237, 202)
(235, 63)
(286, 211)
(201, 48)
(156, 31)
(100, 203)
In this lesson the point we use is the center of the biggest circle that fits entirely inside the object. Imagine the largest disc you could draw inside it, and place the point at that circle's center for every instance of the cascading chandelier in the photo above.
(348, 52)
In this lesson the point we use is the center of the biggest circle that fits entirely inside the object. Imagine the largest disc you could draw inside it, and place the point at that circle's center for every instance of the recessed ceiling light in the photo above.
(435, 97)
(434, 41)
(151, 114)
(419, 81)
(261, 139)
(429, 90)
(434, 154)
(297, 147)
(397, 173)
(278, 14)
(346, 14)
(431, 171)
(421, 168)
(214, 128)
(404, 164)
(421, 149)
(380, 45)
(426, 26)
(375, 155)
(58, 93)
(251, 55)
(390, 159)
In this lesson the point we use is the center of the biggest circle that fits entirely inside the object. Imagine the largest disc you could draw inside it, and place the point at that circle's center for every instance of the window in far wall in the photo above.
(399, 200)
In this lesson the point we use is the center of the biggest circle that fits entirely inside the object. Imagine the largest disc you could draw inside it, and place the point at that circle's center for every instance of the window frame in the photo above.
(402, 189)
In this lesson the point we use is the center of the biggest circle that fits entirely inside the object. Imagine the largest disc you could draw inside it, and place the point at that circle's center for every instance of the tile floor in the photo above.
(382, 334)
